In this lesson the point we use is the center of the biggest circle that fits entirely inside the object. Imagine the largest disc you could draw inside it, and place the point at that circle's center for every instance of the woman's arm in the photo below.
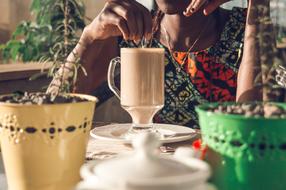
(250, 66)
(95, 57)
(98, 43)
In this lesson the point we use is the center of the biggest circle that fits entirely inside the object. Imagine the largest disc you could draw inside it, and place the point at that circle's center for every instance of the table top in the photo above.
(101, 149)
(3, 183)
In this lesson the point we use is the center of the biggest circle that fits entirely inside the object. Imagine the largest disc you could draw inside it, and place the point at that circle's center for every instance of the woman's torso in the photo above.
(208, 75)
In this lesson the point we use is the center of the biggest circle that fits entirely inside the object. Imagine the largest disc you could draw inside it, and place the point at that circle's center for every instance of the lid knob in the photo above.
(146, 143)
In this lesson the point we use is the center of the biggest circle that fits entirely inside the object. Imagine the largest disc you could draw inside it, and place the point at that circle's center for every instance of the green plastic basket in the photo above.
(245, 153)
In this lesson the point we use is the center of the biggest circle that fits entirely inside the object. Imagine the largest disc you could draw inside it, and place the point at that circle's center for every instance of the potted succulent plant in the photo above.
(43, 142)
(246, 141)
(44, 135)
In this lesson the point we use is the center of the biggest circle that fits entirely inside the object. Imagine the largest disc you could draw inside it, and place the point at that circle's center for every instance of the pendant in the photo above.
(178, 69)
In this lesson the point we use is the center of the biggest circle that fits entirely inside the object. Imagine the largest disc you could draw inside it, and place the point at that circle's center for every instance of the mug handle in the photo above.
(110, 76)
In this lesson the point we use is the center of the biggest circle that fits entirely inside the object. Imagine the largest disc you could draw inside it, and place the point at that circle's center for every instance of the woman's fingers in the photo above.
(138, 18)
(147, 21)
(189, 10)
(213, 5)
(125, 11)
(199, 4)
(194, 6)
(123, 17)
(140, 26)
(147, 17)
(111, 18)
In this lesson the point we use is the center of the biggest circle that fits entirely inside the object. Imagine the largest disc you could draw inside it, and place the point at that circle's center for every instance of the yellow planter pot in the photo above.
(43, 146)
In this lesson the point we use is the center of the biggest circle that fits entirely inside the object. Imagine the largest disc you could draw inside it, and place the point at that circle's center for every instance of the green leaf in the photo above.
(20, 29)
(14, 48)
(38, 75)
(35, 6)
(2, 46)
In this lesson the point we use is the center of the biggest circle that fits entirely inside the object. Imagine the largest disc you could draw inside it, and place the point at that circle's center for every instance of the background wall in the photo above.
(12, 12)
(93, 7)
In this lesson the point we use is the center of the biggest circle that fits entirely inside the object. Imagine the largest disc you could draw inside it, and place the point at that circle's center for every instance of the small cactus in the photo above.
(269, 62)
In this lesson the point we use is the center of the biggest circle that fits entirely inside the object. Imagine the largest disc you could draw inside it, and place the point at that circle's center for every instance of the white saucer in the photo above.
(115, 132)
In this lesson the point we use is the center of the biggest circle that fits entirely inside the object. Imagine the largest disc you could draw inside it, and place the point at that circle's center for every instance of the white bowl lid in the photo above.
(144, 164)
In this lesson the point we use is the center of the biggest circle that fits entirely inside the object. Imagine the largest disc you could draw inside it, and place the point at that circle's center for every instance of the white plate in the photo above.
(115, 132)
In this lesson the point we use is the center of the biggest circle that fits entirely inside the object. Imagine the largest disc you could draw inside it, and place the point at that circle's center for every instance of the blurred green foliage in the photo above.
(43, 39)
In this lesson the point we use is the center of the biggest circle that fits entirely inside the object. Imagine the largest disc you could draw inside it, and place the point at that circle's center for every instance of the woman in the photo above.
(203, 46)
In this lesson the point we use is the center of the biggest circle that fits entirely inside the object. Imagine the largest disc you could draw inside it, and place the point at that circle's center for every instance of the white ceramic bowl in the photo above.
(144, 169)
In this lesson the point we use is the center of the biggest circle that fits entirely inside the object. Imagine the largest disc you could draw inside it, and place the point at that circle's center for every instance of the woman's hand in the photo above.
(210, 6)
(125, 18)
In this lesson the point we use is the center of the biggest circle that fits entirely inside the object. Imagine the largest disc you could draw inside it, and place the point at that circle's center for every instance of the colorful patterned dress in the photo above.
(209, 75)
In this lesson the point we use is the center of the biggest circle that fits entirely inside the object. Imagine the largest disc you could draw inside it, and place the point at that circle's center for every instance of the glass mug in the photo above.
(141, 84)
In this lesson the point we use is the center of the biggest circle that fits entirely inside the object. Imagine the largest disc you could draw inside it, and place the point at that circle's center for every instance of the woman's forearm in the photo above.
(250, 68)
(94, 55)
(98, 44)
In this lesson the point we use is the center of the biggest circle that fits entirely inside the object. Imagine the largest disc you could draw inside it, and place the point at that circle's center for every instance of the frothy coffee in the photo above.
(142, 82)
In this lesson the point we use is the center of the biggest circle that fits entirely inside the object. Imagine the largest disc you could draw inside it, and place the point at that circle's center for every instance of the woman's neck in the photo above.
(183, 31)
